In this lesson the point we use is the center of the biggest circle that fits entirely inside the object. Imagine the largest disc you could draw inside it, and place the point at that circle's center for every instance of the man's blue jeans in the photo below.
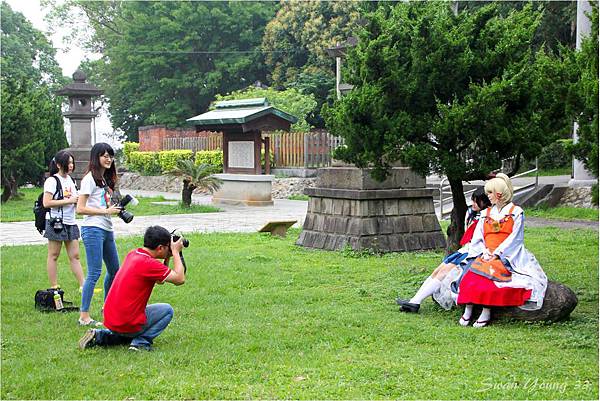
(99, 245)
(158, 317)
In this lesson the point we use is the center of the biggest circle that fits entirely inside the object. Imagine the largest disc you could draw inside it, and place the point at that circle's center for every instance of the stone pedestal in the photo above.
(82, 156)
(244, 190)
(349, 208)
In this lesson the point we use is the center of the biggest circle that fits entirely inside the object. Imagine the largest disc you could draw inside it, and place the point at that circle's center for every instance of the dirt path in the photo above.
(538, 222)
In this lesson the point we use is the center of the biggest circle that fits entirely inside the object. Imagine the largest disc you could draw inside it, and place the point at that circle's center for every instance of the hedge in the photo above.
(168, 158)
(156, 163)
(145, 163)
(212, 158)
(129, 147)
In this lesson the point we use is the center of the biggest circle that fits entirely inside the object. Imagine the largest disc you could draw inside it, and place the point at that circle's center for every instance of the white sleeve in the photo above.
(87, 185)
(50, 185)
(477, 244)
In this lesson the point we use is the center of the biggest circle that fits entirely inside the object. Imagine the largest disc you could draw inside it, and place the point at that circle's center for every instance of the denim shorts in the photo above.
(68, 233)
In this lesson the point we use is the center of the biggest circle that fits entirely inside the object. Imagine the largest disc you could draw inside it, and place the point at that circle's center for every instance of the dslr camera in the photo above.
(124, 214)
(186, 243)
(57, 224)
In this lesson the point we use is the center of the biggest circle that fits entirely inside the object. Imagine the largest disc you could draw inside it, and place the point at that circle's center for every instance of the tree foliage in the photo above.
(290, 100)
(163, 62)
(296, 40)
(31, 120)
(451, 94)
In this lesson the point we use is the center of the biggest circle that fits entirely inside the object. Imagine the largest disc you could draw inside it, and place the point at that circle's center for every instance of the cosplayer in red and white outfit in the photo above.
(499, 235)
(437, 284)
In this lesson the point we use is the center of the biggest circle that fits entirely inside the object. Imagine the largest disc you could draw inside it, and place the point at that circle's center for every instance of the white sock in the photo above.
(485, 315)
(430, 286)
(468, 312)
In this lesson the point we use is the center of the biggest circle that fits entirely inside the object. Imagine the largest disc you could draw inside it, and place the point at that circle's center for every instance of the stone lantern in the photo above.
(80, 114)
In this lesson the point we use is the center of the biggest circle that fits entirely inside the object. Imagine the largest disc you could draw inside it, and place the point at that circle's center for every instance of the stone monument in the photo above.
(349, 208)
(80, 114)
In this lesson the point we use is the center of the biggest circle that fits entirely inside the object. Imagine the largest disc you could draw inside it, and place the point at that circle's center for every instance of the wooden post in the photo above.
(267, 141)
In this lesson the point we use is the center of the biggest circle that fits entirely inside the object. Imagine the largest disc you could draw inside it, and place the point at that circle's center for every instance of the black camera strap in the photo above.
(58, 195)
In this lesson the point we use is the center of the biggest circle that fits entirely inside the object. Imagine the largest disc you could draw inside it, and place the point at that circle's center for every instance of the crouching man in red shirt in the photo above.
(128, 318)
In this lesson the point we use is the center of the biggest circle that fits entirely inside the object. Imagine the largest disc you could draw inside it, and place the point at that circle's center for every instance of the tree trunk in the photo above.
(457, 217)
(9, 189)
(186, 193)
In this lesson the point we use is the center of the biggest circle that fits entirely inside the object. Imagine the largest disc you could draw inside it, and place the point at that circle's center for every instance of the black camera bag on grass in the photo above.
(44, 301)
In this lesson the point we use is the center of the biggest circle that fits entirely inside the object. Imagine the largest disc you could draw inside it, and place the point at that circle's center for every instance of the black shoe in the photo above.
(406, 306)
(88, 340)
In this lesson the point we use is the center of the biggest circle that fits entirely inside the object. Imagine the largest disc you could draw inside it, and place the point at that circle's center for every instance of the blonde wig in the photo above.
(502, 187)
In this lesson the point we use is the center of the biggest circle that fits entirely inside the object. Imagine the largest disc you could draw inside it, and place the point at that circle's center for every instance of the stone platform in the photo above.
(349, 208)
(244, 190)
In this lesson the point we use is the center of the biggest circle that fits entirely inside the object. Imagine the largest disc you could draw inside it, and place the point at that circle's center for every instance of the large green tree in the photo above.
(290, 100)
(32, 124)
(295, 44)
(163, 62)
(451, 94)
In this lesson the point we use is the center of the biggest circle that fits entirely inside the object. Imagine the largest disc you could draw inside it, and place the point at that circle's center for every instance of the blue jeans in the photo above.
(99, 245)
(158, 317)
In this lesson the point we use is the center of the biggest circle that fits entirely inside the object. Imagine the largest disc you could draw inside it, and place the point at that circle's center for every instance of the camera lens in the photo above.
(126, 216)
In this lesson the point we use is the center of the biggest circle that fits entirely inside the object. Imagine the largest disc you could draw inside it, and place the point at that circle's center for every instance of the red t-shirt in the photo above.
(125, 306)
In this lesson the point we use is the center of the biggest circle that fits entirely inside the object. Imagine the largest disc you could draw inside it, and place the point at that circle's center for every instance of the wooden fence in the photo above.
(289, 149)
(210, 142)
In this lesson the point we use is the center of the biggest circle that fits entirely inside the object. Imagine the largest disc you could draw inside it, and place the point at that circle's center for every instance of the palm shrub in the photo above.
(194, 176)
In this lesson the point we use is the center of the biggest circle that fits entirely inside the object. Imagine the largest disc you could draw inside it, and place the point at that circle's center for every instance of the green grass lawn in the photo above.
(549, 172)
(22, 209)
(260, 318)
(301, 197)
(563, 213)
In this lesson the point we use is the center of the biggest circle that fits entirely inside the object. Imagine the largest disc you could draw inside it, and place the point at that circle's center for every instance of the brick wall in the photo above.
(151, 136)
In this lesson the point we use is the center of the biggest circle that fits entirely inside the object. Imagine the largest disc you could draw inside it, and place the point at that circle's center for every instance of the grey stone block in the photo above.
(396, 243)
(338, 206)
(319, 223)
(412, 242)
(401, 225)
(405, 207)
(369, 226)
(385, 225)
(390, 207)
(329, 242)
(319, 240)
(326, 206)
(355, 178)
(309, 221)
(431, 223)
(341, 242)
(341, 225)
(354, 207)
(353, 227)
(329, 224)
(415, 224)
(375, 208)
(314, 205)
(363, 209)
(346, 207)
(302, 238)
